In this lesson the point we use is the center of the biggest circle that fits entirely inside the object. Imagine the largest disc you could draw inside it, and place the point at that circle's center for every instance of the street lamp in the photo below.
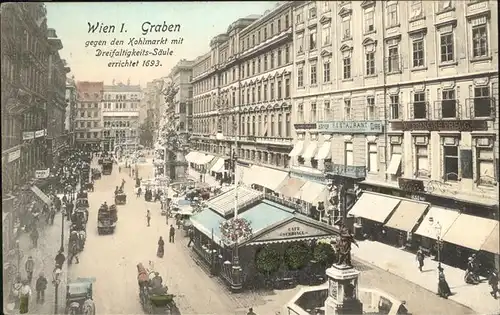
(63, 213)
(439, 242)
(56, 280)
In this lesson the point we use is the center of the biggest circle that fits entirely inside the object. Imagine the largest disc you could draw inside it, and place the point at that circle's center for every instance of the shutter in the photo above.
(466, 163)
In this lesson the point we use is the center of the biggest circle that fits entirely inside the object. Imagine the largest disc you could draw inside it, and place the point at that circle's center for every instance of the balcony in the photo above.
(447, 109)
(418, 111)
(482, 108)
(345, 170)
(393, 64)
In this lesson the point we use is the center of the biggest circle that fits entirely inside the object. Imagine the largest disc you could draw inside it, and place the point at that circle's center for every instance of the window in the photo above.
(393, 62)
(418, 52)
(272, 29)
(479, 41)
(279, 26)
(446, 43)
(312, 40)
(312, 13)
(273, 92)
(485, 166)
(396, 155)
(300, 43)
(300, 77)
(419, 106)
(370, 108)
(347, 110)
(287, 54)
(349, 156)
(326, 6)
(259, 93)
(271, 57)
(392, 15)
(422, 161)
(372, 158)
(416, 10)
(369, 21)
(280, 89)
(444, 5)
(347, 67)
(395, 107)
(449, 104)
(326, 71)
(314, 75)
(325, 32)
(298, 17)
(280, 124)
(313, 112)
(300, 113)
(450, 162)
(265, 62)
(288, 127)
(346, 27)
(287, 22)
(482, 102)
(370, 63)
(279, 57)
(287, 88)
(265, 92)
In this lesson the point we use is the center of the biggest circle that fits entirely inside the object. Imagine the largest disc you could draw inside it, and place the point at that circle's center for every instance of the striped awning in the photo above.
(290, 240)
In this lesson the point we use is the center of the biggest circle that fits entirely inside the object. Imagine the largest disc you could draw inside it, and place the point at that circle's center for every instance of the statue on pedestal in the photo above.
(344, 247)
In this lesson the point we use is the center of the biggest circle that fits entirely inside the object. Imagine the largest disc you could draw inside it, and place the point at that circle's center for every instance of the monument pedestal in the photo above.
(343, 291)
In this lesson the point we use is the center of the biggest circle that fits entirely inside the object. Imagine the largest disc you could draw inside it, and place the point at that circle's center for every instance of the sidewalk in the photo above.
(209, 179)
(403, 264)
(49, 243)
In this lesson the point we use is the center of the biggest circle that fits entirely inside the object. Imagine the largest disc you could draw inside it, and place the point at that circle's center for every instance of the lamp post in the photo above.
(63, 213)
(236, 284)
(439, 242)
(56, 280)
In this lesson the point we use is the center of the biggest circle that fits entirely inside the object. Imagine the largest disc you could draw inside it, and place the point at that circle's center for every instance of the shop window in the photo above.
(421, 158)
(485, 163)
(349, 154)
(450, 159)
(372, 158)
(394, 169)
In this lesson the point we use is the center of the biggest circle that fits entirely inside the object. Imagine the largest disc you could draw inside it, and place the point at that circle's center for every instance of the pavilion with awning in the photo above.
(273, 222)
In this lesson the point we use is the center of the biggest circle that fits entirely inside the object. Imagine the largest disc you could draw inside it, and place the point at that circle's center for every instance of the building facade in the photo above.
(151, 103)
(71, 105)
(88, 124)
(242, 88)
(120, 116)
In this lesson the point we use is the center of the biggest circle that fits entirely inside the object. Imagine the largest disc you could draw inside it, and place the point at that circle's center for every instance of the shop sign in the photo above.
(351, 126)
(28, 135)
(304, 126)
(42, 173)
(14, 156)
(411, 185)
(293, 229)
(438, 125)
(345, 170)
(40, 133)
(308, 176)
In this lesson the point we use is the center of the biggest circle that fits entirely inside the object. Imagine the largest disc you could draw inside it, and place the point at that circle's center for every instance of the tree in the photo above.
(267, 260)
(146, 133)
(297, 256)
(324, 254)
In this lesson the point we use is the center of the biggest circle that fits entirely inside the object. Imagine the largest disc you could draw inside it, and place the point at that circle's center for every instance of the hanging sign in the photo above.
(28, 135)
(42, 173)
(14, 156)
(40, 133)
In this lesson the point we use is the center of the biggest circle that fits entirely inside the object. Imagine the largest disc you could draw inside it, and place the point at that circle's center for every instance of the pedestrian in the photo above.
(148, 217)
(25, 294)
(29, 266)
(41, 286)
(420, 259)
(493, 282)
(52, 215)
(34, 237)
(443, 287)
(171, 235)
(250, 311)
(191, 236)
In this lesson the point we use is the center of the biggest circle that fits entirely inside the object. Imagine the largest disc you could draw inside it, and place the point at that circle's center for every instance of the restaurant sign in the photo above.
(40, 133)
(14, 156)
(438, 125)
(351, 126)
(304, 126)
(42, 173)
(28, 135)
(293, 229)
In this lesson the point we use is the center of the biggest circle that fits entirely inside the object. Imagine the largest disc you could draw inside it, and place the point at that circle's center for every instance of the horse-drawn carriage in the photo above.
(106, 219)
(120, 198)
(153, 294)
(96, 174)
(79, 298)
(82, 202)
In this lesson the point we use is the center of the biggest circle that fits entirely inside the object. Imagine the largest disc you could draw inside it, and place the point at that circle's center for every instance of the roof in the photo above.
(223, 204)
(120, 87)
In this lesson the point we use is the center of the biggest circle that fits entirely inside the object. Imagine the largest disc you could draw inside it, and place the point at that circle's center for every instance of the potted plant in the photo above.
(267, 261)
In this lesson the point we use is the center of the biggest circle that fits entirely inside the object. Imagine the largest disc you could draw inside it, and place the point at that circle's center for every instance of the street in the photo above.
(111, 260)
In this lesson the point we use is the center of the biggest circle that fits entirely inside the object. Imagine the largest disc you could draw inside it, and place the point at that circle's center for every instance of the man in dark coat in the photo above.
(41, 286)
(493, 282)
(171, 235)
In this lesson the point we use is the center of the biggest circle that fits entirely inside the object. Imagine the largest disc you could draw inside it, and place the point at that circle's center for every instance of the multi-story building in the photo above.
(421, 124)
(242, 88)
(151, 102)
(71, 104)
(88, 124)
(57, 70)
(120, 116)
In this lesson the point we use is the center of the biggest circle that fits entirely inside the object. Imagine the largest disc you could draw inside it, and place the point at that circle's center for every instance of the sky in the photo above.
(200, 22)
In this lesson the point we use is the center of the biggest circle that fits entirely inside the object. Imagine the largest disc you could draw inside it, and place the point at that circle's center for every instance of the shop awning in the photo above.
(407, 215)
(394, 165)
(445, 217)
(325, 151)
(268, 177)
(311, 150)
(291, 186)
(192, 156)
(297, 149)
(40, 194)
(218, 166)
(492, 244)
(375, 207)
(469, 231)
(204, 159)
(208, 223)
(246, 175)
(312, 192)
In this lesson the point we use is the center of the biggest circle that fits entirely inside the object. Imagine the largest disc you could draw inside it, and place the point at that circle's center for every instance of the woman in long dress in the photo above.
(443, 287)
(24, 296)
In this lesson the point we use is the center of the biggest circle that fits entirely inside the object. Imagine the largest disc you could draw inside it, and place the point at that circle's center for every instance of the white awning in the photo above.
(474, 238)
(204, 159)
(40, 194)
(444, 216)
(325, 151)
(218, 166)
(375, 207)
(297, 149)
(192, 156)
(312, 192)
(394, 165)
(311, 150)
(268, 177)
